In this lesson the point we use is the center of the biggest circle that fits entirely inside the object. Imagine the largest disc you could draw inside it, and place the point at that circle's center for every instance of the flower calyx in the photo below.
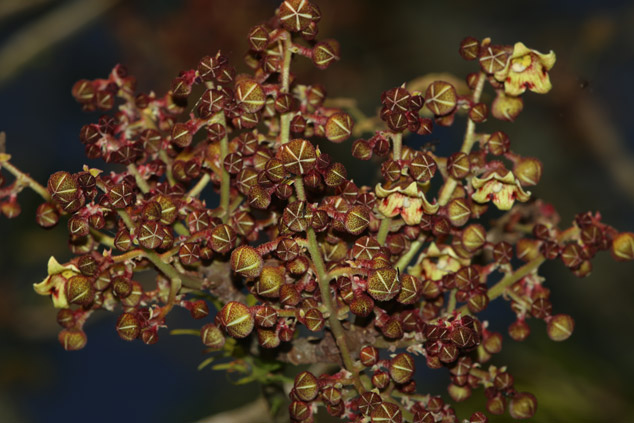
(500, 186)
(407, 201)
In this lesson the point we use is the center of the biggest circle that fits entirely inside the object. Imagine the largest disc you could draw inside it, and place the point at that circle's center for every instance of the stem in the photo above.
(22, 178)
(102, 238)
(499, 288)
(324, 288)
(451, 304)
(384, 229)
(168, 167)
(200, 185)
(299, 188)
(285, 120)
(407, 257)
(397, 143)
(225, 178)
(175, 277)
(143, 186)
(469, 138)
(333, 274)
(335, 324)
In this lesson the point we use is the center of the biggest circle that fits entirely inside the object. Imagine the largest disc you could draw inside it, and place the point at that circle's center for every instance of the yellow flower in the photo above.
(55, 282)
(408, 202)
(526, 69)
(440, 262)
(501, 188)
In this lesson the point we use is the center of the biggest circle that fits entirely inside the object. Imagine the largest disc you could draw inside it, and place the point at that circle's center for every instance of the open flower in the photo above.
(501, 187)
(54, 284)
(526, 68)
(409, 202)
(439, 262)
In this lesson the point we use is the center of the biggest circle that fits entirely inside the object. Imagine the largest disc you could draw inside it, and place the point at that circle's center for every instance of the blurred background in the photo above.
(583, 131)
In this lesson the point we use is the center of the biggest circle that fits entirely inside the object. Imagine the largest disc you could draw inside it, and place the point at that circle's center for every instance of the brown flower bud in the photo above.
(72, 339)
(383, 284)
(269, 283)
(386, 412)
(237, 319)
(339, 127)
(79, 290)
(523, 406)
(128, 326)
(402, 368)
(369, 356)
(212, 336)
(306, 386)
(458, 165)
(473, 237)
(325, 52)
(46, 216)
(298, 156)
(441, 98)
(560, 327)
(246, 261)
(469, 48)
(622, 247)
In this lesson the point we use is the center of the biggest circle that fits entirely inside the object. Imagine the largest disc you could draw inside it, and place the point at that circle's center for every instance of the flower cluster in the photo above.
(383, 278)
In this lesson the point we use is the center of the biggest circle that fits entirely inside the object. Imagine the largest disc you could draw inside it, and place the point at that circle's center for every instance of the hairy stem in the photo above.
(143, 186)
(499, 288)
(469, 138)
(225, 178)
(324, 288)
(384, 230)
(22, 178)
(285, 120)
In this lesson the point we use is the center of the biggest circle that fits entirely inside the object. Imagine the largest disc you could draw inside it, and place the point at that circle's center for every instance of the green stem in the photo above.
(467, 144)
(175, 277)
(142, 184)
(384, 229)
(409, 255)
(225, 178)
(200, 185)
(22, 178)
(299, 188)
(285, 120)
(102, 238)
(168, 167)
(499, 288)
(397, 143)
(324, 288)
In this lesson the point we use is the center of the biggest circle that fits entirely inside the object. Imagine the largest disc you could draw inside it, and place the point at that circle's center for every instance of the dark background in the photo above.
(583, 131)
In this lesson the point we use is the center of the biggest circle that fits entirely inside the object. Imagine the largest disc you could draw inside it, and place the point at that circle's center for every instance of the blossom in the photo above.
(526, 68)
(501, 188)
(54, 284)
(440, 261)
(409, 202)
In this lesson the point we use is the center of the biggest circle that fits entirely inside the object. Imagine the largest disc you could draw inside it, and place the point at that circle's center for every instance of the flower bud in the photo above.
(72, 339)
(246, 261)
(383, 284)
(237, 319)
(528, 170)
(622, 248)
(339, 127)
(523, 406)
(212, 336)
(560, 327)
(128, 326)
(441, 98)
(386, 412)
(402, 368)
